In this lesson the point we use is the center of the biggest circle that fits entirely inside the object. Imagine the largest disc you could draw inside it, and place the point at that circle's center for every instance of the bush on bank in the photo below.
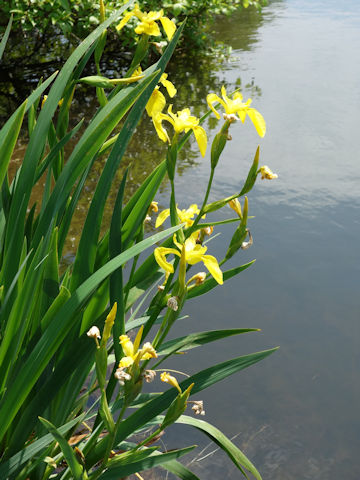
(78, 17)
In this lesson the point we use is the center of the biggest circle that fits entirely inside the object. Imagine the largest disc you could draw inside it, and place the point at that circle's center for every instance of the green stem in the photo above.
(198, 218)
(110, 441)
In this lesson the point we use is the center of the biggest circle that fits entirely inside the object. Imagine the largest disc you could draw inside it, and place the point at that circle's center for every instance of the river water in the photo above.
(296, 414)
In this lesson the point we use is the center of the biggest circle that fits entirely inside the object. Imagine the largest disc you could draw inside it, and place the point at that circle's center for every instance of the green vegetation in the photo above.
(72, 402)
(78, 17)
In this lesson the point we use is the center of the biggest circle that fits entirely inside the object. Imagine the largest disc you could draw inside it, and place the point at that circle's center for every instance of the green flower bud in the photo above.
(252, 175)
(177, 408)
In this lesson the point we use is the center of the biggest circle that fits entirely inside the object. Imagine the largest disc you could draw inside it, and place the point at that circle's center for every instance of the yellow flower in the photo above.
(132, 352)
(236, 105)
(167, 378)
(157, 101)
(185, 216)
(182, 121)
(148, 23)
(267, 173)
(194, 253)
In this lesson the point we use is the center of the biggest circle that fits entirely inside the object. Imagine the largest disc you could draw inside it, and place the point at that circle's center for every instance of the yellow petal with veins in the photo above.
(258, 121)
(212, 265)
(168, 85)
(127, 345)
(151, 28)
(212, 98)
(168, 26)
(156, 103)
(160, 257)
(201, 138)
(126, 362)
(124, 20)
(160, 130)
(162, 217)
(138, 339)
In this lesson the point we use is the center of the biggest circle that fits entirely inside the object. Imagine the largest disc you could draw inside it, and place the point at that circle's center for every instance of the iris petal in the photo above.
(212, 265)
(258, 121)
(168, 26)
(160, 257)
(162, 217)
(201, 139)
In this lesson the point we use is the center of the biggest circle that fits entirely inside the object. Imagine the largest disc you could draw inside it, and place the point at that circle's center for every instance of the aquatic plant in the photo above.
(72, 403)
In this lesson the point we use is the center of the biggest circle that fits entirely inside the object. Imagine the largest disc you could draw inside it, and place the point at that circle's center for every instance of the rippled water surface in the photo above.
(297, 413)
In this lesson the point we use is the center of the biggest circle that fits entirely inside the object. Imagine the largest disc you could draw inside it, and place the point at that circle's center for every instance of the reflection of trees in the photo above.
(241, 29)
(38, 55)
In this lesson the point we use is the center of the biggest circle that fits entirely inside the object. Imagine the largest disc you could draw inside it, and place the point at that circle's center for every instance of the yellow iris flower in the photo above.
(157, 101)
(182, 121)
(148, 23)
(132, 352)
(194, 253)
(236, 105)
(185, 216)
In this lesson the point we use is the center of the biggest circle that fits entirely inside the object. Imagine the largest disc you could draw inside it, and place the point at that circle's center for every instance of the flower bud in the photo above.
(251, 178)
(177, 408)
(96, 81)
(217, 147)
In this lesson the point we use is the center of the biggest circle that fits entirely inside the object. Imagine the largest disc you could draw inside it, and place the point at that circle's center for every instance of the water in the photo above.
(295, 414)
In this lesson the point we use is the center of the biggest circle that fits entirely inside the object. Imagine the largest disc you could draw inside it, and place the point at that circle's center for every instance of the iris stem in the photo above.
(198, 218)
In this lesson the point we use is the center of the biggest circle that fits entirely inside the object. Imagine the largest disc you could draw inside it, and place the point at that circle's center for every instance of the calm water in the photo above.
(296, 414)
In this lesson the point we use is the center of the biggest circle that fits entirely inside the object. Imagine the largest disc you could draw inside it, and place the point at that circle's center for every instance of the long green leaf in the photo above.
(85, 261)
(76, 469)
(85, 150)
(5, 37)
(121, 471)
(56, 149)
(80, 354)
(201, 338)
(36, 147)
(12, 465)
(236, 455)
(179, 470)
(34, 96)
(9, 141)
(210, 283)
(138, 213)
(202, 380)
(58, 329)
